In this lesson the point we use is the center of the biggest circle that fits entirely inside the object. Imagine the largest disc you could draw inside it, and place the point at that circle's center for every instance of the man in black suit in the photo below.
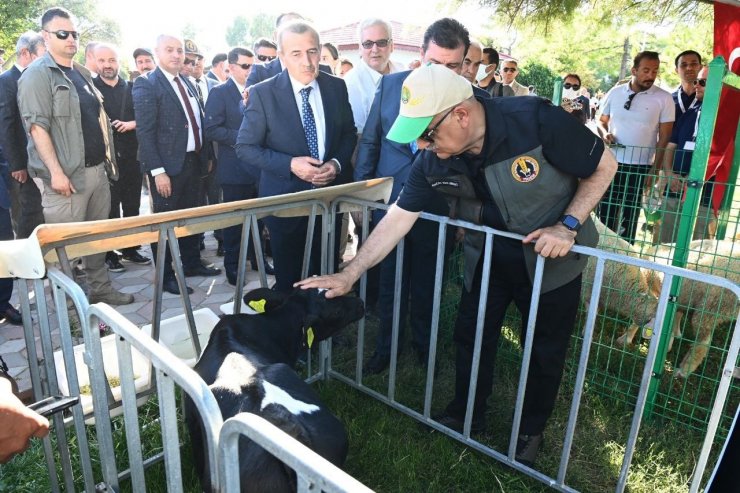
(172, 149)
(238, 180)
(219, 71)
(25, 208)
(298, 129)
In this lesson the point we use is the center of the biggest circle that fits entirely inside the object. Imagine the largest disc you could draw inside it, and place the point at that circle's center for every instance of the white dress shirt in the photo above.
(362, 82)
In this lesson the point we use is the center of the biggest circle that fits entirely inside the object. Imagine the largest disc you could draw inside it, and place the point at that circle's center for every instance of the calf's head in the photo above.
(321, 318)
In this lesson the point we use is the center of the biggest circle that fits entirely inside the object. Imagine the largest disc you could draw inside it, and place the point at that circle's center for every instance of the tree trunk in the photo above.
(625, 59)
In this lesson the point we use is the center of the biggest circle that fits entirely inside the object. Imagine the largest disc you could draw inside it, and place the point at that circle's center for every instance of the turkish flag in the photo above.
(726, 44)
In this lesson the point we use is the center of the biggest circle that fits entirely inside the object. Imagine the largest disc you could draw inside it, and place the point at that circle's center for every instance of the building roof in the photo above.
(405, 36)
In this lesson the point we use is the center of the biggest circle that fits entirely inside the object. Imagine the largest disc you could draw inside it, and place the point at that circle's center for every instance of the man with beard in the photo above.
(634, 118)
(119, 105)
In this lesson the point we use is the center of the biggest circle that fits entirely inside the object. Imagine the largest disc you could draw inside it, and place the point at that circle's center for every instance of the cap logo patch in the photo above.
(525, 169)
(405, 95)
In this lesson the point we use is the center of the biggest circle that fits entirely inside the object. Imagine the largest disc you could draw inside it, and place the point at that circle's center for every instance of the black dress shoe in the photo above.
(12, 316)
(170, 286)
(202, 270)
(136, 258)
(377, 364)
(269, 268)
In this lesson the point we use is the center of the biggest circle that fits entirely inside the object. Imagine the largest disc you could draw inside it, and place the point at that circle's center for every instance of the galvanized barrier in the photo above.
(313, 472)
(80, 322)
(558, 481)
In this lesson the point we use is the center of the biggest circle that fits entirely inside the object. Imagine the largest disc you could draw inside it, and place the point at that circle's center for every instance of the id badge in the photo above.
(690, 145)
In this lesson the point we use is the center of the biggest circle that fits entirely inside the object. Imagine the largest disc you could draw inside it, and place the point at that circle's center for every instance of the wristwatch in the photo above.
(571, 222)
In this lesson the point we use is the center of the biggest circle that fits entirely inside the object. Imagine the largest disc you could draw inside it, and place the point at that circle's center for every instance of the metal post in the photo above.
(689, 211)
(557, 91)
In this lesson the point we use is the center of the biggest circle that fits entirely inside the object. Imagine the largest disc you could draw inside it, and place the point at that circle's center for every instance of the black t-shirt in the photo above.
(514, 126)
(92, 134)
(119, 105)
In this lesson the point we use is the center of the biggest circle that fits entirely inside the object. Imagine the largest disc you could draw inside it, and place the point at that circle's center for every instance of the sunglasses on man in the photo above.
(700, 82)
(628, 103)
(244, 66)
(62, 34)
(568, 85)
(382, 43)
(509, 69)
(428, 134)
(266, 58)
(189, 61)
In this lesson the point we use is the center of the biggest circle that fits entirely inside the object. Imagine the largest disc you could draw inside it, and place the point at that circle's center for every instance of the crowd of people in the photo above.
(290, 114)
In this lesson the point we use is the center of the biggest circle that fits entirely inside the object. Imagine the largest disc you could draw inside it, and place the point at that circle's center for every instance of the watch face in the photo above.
(570, 222)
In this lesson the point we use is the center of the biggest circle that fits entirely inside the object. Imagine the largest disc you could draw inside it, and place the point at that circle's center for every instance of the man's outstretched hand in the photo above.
(335, 284)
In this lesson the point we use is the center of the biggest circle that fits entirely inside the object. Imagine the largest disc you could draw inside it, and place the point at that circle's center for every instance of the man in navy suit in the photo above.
(25, 209)
(445, 42)
(8, 312)
(237, 180)
(172, 149)
(298, 129)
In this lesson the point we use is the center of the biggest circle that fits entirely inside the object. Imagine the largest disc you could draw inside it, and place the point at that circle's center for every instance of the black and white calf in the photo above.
(248, 364)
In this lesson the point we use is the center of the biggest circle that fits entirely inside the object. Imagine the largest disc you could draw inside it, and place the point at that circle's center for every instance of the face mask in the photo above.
(482, 72)
(570, 93)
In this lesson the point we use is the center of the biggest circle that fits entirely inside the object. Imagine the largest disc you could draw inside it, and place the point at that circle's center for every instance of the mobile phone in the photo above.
(54, 404)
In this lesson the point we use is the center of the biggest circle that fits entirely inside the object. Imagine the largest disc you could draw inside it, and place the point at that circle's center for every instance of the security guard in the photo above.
(515, 164)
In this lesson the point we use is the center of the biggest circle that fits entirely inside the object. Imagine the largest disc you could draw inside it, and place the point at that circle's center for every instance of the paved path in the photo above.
(209, 292)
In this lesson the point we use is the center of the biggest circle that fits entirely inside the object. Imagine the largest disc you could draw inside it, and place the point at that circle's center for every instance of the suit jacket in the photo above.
(223, 119)
(376, 155)
(519, 90)
(162, 124)
(272, 133)
(12, 134)
(212, 76)
(271, 69)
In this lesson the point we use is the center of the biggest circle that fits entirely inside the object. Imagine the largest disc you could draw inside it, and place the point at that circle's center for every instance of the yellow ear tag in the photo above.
(258, 305)
(309, 337)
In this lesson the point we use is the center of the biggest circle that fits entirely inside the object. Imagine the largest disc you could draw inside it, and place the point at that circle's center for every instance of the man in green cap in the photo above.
(515, 164)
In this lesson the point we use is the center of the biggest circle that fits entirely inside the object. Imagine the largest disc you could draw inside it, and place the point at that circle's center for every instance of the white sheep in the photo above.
(625, 288)
(707, 306)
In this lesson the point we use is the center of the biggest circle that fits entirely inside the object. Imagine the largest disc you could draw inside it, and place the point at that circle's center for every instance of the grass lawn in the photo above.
(391, 452)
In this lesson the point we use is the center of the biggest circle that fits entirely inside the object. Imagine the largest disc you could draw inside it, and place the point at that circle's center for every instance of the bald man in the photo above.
(172, 147)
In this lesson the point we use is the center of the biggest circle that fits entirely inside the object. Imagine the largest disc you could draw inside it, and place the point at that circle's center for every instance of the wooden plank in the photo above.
(135, 231)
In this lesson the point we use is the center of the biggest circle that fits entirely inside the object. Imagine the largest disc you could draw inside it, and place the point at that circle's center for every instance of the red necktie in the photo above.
(191, 115)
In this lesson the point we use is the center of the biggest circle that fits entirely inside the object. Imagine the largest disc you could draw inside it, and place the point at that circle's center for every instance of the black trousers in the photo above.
(287, 237)
(555, 318)
(232, 236)
(186, 189)
(417, 288)
(6, 233)
(125, 193)
(625, 193)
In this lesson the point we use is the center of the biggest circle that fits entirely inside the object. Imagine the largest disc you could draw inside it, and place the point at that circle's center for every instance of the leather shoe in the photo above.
(12, 316)
(527, 447)
(377, 364)
(456, 424)
(220, 251)
(170, 286)
(202, 270)
(269, 268)
(136, 258)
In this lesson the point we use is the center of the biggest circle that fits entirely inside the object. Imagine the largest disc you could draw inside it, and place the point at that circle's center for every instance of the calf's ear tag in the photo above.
(258, 305)
(309, 336)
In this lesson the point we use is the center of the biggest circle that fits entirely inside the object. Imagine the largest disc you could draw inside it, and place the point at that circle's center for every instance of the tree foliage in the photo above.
(262, 26)
(237, 33)
(591, 43)
(543, 13)
(17, 16)
(540, 76)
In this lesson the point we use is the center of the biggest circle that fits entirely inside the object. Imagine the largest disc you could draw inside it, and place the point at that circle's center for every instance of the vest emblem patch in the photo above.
(525, 169)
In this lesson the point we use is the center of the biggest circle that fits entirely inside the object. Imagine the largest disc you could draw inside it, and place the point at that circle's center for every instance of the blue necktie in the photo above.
(309, 124)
